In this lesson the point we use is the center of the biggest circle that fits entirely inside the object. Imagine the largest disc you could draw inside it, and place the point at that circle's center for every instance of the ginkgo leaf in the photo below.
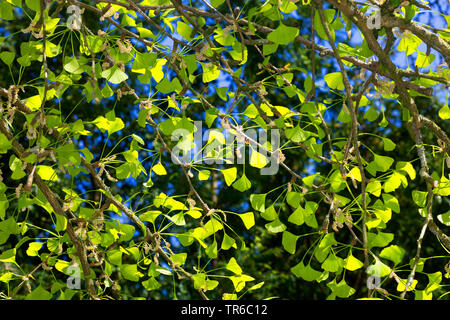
(228, 242)
(73, 66)
(157, 70)
(401, 285)
(46, 173)
(341, 289)
(388, 144)
(130, 272)
(242, 184)
(445, 218)
(269, 214)
(419, 198)
(114, 75)
(444, 112)
(335, 80)
(371, 114)
(204, 175)
(34, 102)
(61, 223)
(391, 202)
(239, 281)
(184, 30)
(297, 216)
(39, 294)
(7, 57)
(248, 219)
(283, 34)
(424, 60)
(393, 253)
(275, 226)
(210, 72)
(105, 124)
(258, 201)
(289, 242)
(159, 169)
(258, 160)
(305, 272)
(229, 175)
(143, 62)
(233, 266)
(352, 264)
(33, 248)
(383, 162)
(374, 187)
(393, 182)
(332, 263)
(406, 167)
(355, 173)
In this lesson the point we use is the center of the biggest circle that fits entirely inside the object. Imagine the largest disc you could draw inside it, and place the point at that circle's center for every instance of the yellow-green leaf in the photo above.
(159, 169)
(46, 173)
(352, 264)
(258, 160)
(402, 285)
(444, 112)
(33, 248)
(233, 266)
(248, 219)
(355, 173)
(229, 175)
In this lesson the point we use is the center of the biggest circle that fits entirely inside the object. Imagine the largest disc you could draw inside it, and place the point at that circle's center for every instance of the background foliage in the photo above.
(90, 188)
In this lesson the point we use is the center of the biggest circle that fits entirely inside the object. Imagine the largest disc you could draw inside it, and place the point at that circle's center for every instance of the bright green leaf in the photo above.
(289, 241)
(283, 34)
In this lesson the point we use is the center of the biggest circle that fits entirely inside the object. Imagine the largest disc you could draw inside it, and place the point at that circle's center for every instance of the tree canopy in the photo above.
(218, 149)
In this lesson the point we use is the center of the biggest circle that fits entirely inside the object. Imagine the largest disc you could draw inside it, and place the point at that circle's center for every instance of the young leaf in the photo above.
(46, 173)
(383, 162)
(420, 198)
(335, 80)
(114, 75)
(406, 167)
(401, 286)
(275, 226)
(229, 175)
(393, 253)
(211, 251)
(7, 57)
(258, 201)
(248, 219)
(444, 112)
(332, 263)
(289, 242)
(210, 72)
(233, 266)
(258, 160)
(297, 216)
(388, 144)
(374, 187)
(341, 289)
(283, 34)
(269, 214)
(39, 294)
(391, 202)
(242, 184)
(445, 218)
(159, 169)
(305, 272)
(130, 272)
(61, 223)
(227, 242)
(33, 248)
(352, 264)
